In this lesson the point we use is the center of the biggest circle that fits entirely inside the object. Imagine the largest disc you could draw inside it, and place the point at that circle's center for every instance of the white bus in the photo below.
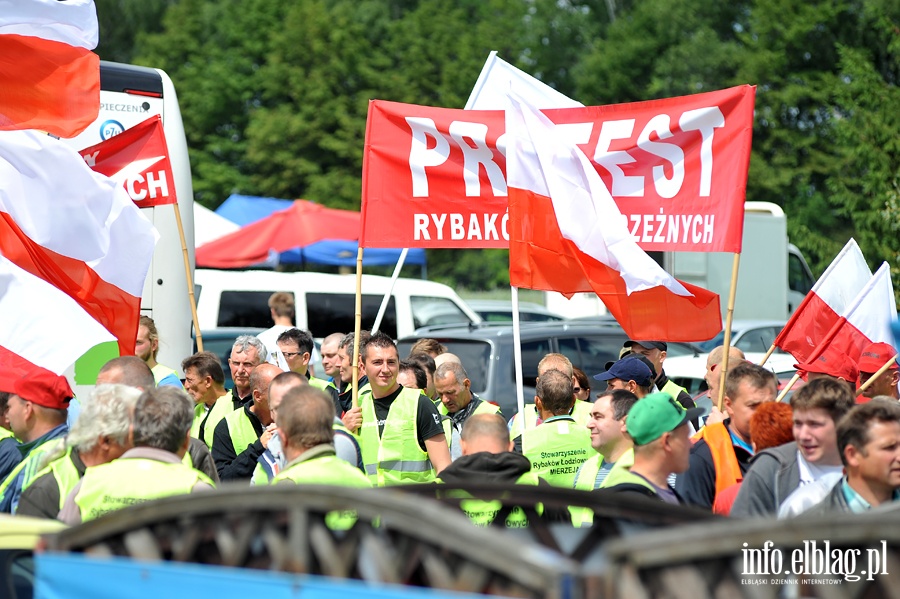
(128, 95)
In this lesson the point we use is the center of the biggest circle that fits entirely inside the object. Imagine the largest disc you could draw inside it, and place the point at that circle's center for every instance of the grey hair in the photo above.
(163, 418)
(451, 367)
(106, 413)
(244, 341)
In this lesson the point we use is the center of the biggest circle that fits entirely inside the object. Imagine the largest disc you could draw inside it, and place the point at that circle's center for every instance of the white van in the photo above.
(325, 303)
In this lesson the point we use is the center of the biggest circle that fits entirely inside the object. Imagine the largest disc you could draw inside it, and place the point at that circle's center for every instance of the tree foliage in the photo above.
(274, 94)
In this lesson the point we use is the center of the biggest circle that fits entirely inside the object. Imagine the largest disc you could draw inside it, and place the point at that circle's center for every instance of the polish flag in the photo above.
(50, 78)
(867, 320)
(76, 229)
(566, 234)
(820, 310)
(43, 329)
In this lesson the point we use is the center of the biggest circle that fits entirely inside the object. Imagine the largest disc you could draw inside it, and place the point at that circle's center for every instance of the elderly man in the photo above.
(658, 426)
(559, 445)
(152, 469)
(247, 353)
(37, 415)
(873, 357)
(204, 381)
(132, 371)
(458, 402)
(242, 436)
(581, 410)
(869, 442)
(100, 435)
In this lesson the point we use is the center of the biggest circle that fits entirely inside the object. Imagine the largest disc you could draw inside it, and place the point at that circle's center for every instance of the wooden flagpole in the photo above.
(877, 374)
(357, 327)
(728, 318)
(187, 274)
(790, 384)
(768, 355)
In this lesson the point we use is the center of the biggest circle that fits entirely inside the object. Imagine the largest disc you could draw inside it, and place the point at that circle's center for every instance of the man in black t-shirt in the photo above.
(415, 436)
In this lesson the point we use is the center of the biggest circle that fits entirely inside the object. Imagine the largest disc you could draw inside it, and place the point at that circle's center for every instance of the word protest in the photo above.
(677, 169)
(138, 158)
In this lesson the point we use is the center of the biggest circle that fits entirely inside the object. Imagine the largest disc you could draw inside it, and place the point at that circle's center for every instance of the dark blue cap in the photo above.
(627, 369)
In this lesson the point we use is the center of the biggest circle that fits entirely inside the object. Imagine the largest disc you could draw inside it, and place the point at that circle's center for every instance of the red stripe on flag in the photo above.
(807, 327)
(47, 85)
(544, 260)
(109, 305)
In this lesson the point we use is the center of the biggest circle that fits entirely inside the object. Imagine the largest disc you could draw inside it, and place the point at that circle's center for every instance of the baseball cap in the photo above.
(834, 363)
(660, 345)
(656, 414)
(42, 387)
(875, 355)
(627, 369)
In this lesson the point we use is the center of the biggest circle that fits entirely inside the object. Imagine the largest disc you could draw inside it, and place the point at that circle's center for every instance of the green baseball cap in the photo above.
(656, 414)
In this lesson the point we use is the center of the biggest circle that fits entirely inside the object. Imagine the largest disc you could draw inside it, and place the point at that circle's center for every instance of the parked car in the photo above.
(748, 335)
(501, 311)
(486, 351)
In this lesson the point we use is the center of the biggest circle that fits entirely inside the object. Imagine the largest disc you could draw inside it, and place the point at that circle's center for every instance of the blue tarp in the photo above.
(76, 576)
(243, 210)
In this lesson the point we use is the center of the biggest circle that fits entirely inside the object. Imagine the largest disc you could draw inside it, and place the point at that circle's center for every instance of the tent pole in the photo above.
(387, 296)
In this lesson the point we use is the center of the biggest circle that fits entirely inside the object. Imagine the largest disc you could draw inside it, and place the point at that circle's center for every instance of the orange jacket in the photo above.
(728, 471)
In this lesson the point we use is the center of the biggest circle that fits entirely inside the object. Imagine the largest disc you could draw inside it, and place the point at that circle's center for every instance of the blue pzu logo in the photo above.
(110, 128)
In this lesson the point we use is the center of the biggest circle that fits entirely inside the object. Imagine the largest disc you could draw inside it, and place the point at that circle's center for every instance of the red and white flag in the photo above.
(138, 158)
(75, 229)
(866, 320)
(822, 307)
(43, 328)
(50, 78)
(567, 235)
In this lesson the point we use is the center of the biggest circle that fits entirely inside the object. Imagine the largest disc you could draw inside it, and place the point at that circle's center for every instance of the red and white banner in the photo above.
(568, 235)
(677, 169)
(822, 307)
(30, 333)
(75, 229)
(138, 158)
(49, 78)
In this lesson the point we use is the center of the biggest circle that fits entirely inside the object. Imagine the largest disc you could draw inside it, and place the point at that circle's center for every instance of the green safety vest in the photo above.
(621, 472)
(33, 463)
(241, 430)
(581, 412)
(320, 383)
(219, 410)
(483, 513)
(124, 482)
(584, 481)
(64, 473)
(672, 389)
(395, 457)
(4, 433)
(556, 449)
(261, 475)
(327, 469)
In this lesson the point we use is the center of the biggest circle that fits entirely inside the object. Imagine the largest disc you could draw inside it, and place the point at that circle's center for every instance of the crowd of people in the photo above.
(144, 433)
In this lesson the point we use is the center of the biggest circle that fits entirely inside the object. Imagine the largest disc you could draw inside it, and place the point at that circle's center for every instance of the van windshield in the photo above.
(429, 311)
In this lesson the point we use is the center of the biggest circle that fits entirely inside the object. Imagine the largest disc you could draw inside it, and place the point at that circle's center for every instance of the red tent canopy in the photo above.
(300, 225)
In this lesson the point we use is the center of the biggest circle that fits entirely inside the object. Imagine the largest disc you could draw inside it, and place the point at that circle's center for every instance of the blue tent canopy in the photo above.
(243, 210)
